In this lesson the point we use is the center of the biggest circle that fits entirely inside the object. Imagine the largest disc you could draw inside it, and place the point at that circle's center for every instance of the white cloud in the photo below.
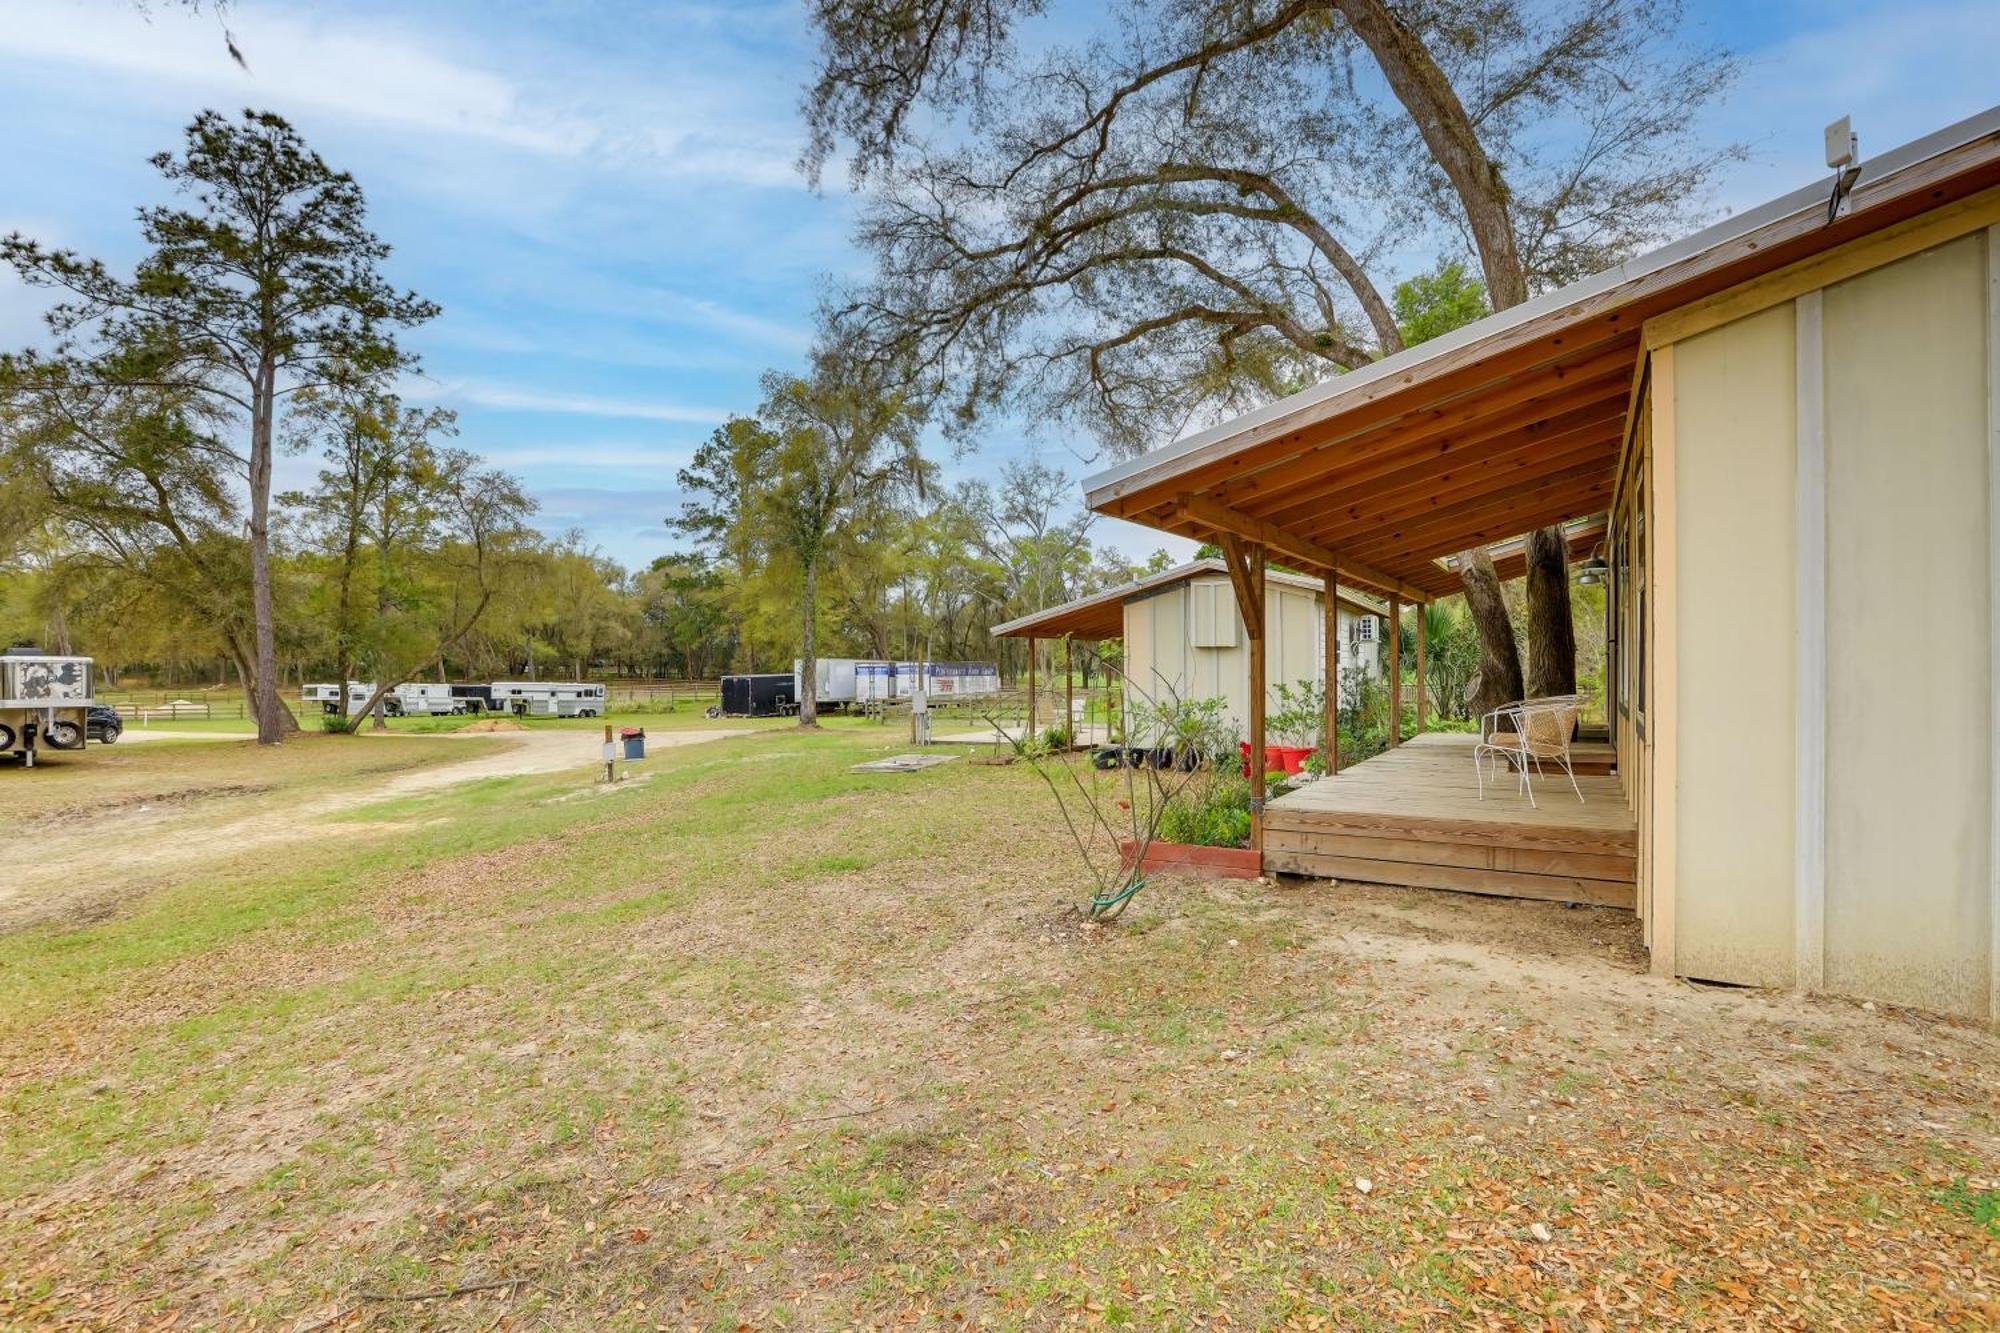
(367, 70)
(381, 77)
(505, 397)
(622, 457)
(715, 315)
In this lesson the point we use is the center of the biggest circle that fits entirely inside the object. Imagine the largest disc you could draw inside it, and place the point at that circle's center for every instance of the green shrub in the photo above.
(1213, 815)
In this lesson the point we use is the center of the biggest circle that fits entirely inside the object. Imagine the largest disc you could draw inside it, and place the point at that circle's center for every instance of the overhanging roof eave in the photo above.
(1413, 366)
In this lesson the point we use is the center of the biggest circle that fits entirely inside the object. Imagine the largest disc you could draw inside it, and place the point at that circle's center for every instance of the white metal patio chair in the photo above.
(1525, 734)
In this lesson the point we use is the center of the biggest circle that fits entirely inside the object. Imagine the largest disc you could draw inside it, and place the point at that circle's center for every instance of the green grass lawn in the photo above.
(752, 1040)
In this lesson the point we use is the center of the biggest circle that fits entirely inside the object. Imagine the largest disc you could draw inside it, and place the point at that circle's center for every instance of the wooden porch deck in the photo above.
(1412, 816)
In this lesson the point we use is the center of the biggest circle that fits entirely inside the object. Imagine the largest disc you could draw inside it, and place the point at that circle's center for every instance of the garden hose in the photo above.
(1108, 908)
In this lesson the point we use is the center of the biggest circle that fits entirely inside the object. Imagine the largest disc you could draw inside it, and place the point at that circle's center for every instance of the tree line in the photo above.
(1114, 231)
(1162, 213)
(139, 519)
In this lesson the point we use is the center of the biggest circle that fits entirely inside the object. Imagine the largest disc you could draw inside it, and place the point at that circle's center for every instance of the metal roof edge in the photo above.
(1179, 573)
(1873, 170)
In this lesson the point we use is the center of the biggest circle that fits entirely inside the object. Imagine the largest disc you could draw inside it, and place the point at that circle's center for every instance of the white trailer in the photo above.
(879, 682)
(327, 696)
(874, 682)
(959, 680)
(423, 699)
(942, 680)
(838, 679)
(549, 698)
(44, 699)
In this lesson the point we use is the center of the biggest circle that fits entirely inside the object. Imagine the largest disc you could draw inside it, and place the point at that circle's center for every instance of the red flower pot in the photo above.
(1295, 757)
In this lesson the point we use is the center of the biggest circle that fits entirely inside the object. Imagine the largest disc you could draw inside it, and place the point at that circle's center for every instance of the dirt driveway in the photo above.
(83, 867)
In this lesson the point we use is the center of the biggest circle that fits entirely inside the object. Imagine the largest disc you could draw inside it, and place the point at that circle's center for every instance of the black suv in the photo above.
(104, 725)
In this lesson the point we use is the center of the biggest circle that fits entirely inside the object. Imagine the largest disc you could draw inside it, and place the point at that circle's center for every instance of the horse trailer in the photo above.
(536, 698)
(423, 699)
(327, 696)
(44, 699)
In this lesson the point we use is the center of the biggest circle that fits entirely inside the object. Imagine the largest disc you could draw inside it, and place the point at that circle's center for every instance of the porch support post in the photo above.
(1031, 690)
(1069, 688)
(1246, 576)
(1423, 706)
(1395, 670)
(1332, 755)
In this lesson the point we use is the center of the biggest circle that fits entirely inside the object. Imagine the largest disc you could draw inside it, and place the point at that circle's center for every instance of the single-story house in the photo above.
(1790, 421)
(1184, 636)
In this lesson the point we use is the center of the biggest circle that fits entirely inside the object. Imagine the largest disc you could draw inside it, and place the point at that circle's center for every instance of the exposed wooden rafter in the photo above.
(1227, 522)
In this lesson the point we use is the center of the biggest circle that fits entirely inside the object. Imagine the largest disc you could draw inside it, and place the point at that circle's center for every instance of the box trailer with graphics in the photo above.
(946, 680)
(44, 700)
(874, 682)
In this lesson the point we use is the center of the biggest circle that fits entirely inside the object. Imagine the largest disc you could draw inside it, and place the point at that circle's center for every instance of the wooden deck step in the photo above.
(1414, 816)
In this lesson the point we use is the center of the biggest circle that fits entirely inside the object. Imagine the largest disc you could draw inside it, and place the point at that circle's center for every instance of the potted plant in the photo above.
(1298, 723)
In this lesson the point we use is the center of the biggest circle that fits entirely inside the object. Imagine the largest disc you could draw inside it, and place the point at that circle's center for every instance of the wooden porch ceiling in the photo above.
(1387, 498)
(1513, 423)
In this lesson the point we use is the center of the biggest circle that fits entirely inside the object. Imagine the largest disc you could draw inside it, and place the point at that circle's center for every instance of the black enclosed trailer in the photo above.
(478, 698)
(772, 694)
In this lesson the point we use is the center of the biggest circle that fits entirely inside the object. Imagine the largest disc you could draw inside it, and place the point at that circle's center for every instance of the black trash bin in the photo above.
(635, 741)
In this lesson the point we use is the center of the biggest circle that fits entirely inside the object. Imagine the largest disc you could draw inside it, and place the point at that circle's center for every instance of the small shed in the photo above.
(1184, 636)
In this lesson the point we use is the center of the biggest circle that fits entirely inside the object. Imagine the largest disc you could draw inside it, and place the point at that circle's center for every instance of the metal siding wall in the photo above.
(1138, 652)
(1909, 633)
(1173, 661)
(1159, 647)
(1736, 433)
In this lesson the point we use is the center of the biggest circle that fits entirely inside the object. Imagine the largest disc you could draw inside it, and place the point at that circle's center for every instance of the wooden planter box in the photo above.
(1217, 862)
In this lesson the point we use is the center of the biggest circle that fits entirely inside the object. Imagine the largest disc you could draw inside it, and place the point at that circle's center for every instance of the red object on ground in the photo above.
(1189, 858)
(1295, 757)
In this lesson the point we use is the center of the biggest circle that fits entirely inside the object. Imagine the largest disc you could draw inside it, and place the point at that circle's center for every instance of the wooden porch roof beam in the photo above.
(1221, 519)
(1529, 450)
(1465, 419)
(1335, 526)
(1557, 499)
(1416, 463)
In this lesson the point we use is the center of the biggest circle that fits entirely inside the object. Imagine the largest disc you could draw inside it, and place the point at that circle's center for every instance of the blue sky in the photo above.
(602, 195)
